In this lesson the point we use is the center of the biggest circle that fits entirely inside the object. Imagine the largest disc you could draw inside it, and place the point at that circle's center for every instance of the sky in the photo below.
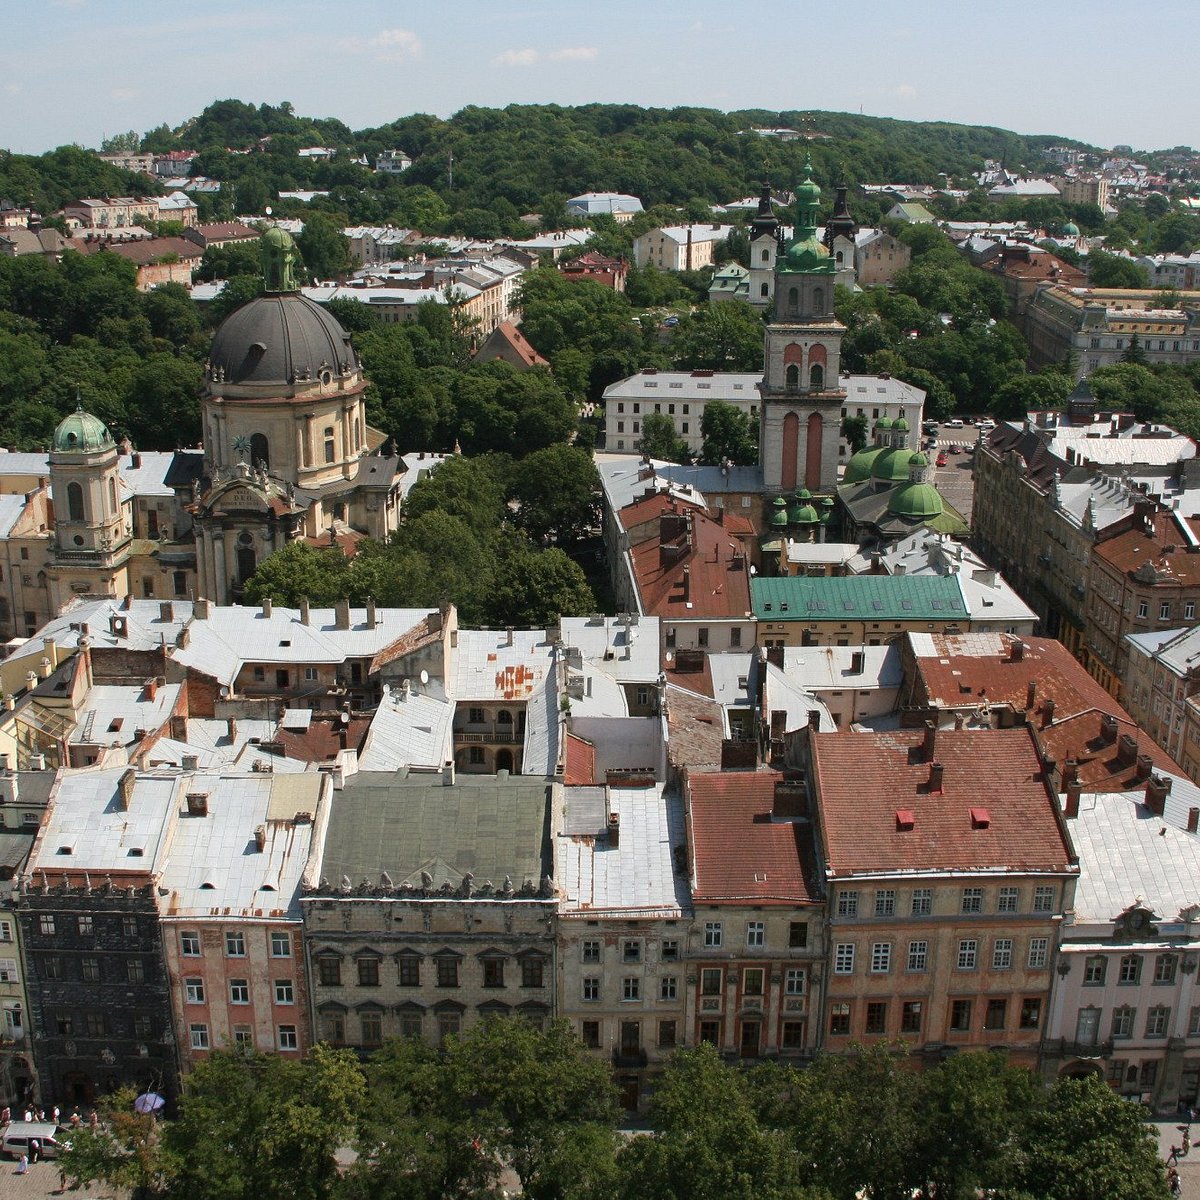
(1095, 70)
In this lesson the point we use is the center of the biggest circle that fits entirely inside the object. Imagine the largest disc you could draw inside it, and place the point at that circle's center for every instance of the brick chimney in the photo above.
(1145, 764)
(1047, 712)
(1017, 650)
(1108, 729)
(614, 830)
(1074, 791)
(342, 613)
(1193, 820)
(1127, 750)
(935, 777)
(929, 744)
(1157, 787)
(1031, 694)
(305, 610)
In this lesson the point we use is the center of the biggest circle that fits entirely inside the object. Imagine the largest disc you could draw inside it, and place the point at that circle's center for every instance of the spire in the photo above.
(841, 223)
(765, 223)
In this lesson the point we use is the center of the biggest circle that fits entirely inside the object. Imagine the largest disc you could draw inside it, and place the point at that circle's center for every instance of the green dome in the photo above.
(884, 423)
(779, 518)
(1070, 229)
(917, 459)
(808, 254)
(81, 433)
(891, 466)
(901, 425)
(802, 513)
(804, 494)
(917, 502)
(859, 466)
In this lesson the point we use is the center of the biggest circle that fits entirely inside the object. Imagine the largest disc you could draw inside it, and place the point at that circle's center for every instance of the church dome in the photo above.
(1070, 229)
(891, 466)
(802, 511)
(917, 502)
(279, 339)
(901, 425)
(779, 518)
(917, 459)
(81, 433)
(860, 464)
(884, 423)
(808, 254)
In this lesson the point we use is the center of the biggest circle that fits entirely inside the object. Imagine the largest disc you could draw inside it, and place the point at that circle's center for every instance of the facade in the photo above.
(680, 247)
(434, 907)
(878, 257)
(620, 207)
(112, 212)
(755, 969)
(948, 871)
(1159, 679)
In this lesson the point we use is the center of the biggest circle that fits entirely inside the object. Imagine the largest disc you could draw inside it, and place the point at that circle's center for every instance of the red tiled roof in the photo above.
(151, 250)
(1136, 546)
(1079, 737)
(321, 741)
(956, 675)
(713, 570)
(348, 541)
(695, 730)
(638, 512)
(738, 852)
(581, 762)
(506, 331)
(423, 633)
(864, 779)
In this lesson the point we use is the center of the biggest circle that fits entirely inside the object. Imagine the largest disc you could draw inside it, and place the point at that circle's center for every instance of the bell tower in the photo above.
(800, 413)
(764, 249)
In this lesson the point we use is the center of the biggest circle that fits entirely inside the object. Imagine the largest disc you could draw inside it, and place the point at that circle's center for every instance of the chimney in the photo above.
(1193, 820)
(191, 762)
(814, 721)
(165, 611)
(197, 803)
(1074, 791)
(10, 791)
(125, 788)
(342, 613)
(150, 689)
(1145, 764)
(687, 583)
(267, 606)
(448, 773)
(935, 777)
(858, 662)
(178, 727)
(1070, 771)
(260, 838)
(1157, 787)
(959, 722)
(1031, 694)
(1047, 712)
(508, 635)
(1108, 729)
(1017, 650)
(304, 610)
(45, 670)
(1127, 750)
(372, 614)
(929, 745)
(614, 830)
(135, 461)
(200, 609)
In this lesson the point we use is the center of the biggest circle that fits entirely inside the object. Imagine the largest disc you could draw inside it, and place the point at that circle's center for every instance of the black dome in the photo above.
(279, 339)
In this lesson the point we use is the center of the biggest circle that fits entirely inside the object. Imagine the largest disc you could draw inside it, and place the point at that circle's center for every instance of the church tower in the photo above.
(764, 248)
(92, 533)
(800, 413)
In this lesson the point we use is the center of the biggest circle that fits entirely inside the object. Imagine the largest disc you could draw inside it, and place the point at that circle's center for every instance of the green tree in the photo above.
(298, 570)
(659, 439)
(1029, 393)
(121, 143)
(1115, 271)
(555, 490)
(726, 336)
(854, 433)
(1134, 353)
(536, 587)
(124, 1152)
(1086, 1141)
(729, 434)
(324, 248)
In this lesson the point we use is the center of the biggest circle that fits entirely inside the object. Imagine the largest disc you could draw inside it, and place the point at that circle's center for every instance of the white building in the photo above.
(679, 247)
(620, 207)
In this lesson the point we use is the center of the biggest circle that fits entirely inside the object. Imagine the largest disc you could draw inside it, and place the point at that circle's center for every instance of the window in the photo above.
(289, 1040)
(885, 903)
(285, 993)
(666, 1035)
(793, 1031)
(876, 1021)
(591, 987)
(589, 951)
(1157, 1020)
(667, 987)
(1122, 1021)
(6, 934)
(1164, 968)
(493, 972)
(712, 934)
(143, 1026)
(448, 1024)
(910, 1016)
(89, 969)
(260, 674)
(199, 1036)
(533, 970)
(8, 971)
(918, 956)
(670, 950)
(960, 1016)
(194, 990)
(64, 1024)
(475, 716)
(371, 1027)
(75, 501)
(710, 981)
(968, 952)
(710, 1031)
(1094, 969)
(756, 933)
(1189, 610)
(52, 968)
(995, 1015)
(310, 674)
(1043, 898)
(129, 928)
(409, 966)
(1031, 1012)
(1130, 971)
(972, 900)
(235, 945)
(85, 926)
(631, 951)
(46, 923)
(752, 982)
(847, 904)
(1002, 949)
(1007, 901)
(843, 959)
(95, 1024)
(839, 1019)
(135, 970)
(881, 958)
(189, 945)
(447, 972)
(239, 991)
(631, 988)
(797, 935)
(1143, 608)
(702, 638)
(1194, 1022)
(1039, 952)
(329, 444)
(735, 634)
(1164, 611)
(329, 972)
(794, 979)
(922, 902)
(281, 945)
(591, 1034)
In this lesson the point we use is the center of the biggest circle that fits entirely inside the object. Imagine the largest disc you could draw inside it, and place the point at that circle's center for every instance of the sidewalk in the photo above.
(1170, 1133)
(41, 1181)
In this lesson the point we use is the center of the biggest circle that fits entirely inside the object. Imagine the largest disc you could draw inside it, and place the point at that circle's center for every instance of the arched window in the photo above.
(260, 450)
(818, 300)
(763, 289)
(816, 376)
(793, 376)
(793, 300)
(766, 256)
(112, 494)
(838, 257)
(75, 501)
(329, 443)
(246, 562)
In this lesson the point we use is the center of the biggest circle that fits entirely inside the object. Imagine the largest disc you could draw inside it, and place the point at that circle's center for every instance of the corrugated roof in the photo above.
(858, 598)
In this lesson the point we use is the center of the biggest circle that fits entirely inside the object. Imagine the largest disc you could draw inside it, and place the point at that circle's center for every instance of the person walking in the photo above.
(55, 1113)
(35, 1150)
(23, 1164)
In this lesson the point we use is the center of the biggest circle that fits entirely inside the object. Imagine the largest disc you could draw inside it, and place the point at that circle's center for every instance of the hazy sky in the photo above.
(1097, 70)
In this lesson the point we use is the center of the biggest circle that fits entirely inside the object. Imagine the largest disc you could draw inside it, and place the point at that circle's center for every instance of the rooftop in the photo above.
(859, 598)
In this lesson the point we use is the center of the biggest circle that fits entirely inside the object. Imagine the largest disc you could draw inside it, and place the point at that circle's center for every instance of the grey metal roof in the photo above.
(410, 729)
(487, 825)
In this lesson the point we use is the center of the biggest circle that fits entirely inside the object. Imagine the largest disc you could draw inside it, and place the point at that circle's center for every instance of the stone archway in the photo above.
(1081, 1069)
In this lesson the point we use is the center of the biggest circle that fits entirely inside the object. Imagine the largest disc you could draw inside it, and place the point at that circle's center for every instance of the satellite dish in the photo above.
(267, 210)
(424, 678)
(669, 656)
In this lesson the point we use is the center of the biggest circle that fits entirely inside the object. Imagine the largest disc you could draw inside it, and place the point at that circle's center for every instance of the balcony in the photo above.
(1070, 1049)
(495, 735)
(629, 1056)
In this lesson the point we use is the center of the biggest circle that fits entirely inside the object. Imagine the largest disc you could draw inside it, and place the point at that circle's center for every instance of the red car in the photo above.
(956, 449)
(941, 459)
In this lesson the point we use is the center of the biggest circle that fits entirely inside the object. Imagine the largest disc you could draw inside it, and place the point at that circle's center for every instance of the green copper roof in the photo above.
(859, 466)
(891, 466)
(81, 433)
(884, 423)
(917, 459)
(901, 424)
(282, 267)
(802, 514)
(917, 502)
(1070, 229)
(779, 517)
(858, 598)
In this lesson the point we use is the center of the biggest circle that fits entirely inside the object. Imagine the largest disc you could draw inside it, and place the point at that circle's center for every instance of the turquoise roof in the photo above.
(81, 433)
(858, 598)
(859, 466)
(917, 502)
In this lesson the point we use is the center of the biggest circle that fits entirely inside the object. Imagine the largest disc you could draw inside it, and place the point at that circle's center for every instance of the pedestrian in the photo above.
(76, 1120)
(23, 1165)
(5, 1115)
(35, 1150)
(42, 1115)
(55, 1113)
(94, 1119)
(28, 1115)
(62, 1181)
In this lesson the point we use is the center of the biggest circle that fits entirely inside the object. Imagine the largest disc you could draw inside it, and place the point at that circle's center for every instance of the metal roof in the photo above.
(858, 598)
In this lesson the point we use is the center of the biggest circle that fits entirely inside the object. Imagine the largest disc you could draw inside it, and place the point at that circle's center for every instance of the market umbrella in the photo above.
(149, 1102)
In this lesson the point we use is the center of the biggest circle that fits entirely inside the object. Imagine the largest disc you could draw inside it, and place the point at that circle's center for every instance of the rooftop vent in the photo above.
(197, 803)
(905, 820)
(980, 818)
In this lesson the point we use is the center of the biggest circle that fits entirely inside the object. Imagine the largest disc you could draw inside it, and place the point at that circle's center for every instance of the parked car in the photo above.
(956, 449)
(941, 459)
